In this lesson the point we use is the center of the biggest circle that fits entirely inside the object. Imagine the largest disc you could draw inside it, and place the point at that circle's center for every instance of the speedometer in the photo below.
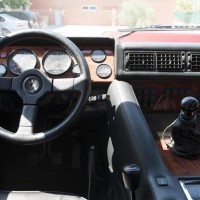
(56, 62)
(20, 60)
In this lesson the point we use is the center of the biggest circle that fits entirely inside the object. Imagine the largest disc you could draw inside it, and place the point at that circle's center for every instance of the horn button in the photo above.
(32, 85)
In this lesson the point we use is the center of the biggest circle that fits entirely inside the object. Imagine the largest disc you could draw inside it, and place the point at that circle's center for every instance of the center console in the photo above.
(163, 103)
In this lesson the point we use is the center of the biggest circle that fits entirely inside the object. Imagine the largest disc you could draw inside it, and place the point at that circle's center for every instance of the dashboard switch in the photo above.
(162, 181)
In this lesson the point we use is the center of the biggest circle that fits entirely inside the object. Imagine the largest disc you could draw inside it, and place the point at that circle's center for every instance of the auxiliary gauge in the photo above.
(104, 71)
(98, 56)
(2, 70)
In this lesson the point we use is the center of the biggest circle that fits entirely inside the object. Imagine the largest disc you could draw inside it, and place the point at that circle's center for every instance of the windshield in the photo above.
(96, 18)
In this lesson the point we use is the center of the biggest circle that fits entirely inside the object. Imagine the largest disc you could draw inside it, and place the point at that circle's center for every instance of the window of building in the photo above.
(89, 8)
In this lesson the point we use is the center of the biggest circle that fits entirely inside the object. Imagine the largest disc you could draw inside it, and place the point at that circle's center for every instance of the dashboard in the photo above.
(161, 66)
(58, 63)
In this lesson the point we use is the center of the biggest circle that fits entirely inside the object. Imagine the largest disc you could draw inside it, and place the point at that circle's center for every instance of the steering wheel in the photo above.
(43, 85)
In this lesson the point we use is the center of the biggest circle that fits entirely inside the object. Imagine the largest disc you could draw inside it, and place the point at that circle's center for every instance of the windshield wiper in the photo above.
(175, 26)
(161, 27)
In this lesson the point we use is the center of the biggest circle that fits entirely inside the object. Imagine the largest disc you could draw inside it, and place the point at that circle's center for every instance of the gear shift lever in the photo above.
(131, 178)
(186, 139)
(188, 107)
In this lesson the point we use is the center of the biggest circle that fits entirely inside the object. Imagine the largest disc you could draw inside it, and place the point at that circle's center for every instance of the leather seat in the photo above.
(36, 195)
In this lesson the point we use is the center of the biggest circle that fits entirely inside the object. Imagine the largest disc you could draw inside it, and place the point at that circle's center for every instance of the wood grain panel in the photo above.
(93, 66)
(177, 165)
(40, 52)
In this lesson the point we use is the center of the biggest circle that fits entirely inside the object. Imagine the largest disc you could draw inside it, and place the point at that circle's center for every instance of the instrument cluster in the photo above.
(54, 62)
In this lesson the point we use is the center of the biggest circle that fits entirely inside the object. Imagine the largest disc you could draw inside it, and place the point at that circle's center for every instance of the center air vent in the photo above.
(139, 61)
(158, 61)
(170, 61)
(193, 61)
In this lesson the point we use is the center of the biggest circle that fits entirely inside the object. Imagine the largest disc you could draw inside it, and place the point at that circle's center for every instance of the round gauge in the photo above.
(2, 70)
(76, 71)
(21, 60)
(104, 71)
(98, 56)
(56, 62)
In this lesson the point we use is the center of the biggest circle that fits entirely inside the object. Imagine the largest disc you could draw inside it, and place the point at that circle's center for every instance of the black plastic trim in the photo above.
(152, 46)
(133, 143)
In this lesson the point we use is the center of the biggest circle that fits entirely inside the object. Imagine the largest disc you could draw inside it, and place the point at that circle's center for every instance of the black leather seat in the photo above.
(37, 195)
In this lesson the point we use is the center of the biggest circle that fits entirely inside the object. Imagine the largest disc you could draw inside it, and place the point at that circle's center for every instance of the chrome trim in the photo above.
(183, 183)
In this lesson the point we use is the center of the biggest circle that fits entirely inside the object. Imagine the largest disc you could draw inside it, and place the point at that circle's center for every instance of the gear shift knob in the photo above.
(131, 176)
(188, 106)
(186, 139)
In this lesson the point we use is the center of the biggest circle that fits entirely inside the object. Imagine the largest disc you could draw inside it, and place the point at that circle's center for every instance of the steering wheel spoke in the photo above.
(27, 120)
(6, 83)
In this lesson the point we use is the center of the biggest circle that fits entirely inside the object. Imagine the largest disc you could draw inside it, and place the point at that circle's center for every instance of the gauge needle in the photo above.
(17, 68)
(54, 64)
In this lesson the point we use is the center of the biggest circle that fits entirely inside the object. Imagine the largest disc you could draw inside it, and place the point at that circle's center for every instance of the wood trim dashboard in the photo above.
(41, 50)
(93, 65)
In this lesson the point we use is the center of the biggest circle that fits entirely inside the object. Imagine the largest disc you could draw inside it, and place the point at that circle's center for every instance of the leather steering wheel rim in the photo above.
(81, 84)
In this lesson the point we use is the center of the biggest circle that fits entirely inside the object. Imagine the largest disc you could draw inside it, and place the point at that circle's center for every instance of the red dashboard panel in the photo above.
(163, 36)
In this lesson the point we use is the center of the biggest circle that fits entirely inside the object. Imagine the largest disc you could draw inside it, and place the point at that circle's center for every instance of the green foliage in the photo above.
(187, 6)
(188, 11)
(14, 4)
(136, 13)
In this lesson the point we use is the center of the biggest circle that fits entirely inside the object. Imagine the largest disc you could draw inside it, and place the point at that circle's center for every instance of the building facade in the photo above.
(95, 12)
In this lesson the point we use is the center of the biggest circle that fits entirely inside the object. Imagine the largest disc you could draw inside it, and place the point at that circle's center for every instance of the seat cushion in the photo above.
(36, 195)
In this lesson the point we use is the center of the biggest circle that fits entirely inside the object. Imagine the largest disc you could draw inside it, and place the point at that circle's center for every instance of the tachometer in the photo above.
(21, 60)
(56, 62)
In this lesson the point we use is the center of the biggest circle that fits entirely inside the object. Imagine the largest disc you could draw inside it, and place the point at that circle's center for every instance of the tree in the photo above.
(184, 6)
(14, 4)
(136, 13)
(188, 10)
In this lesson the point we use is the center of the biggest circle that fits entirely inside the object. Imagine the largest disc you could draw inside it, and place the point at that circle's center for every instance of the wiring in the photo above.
(163, 134)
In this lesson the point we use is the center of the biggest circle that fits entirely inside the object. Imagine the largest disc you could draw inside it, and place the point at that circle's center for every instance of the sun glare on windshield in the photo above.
(92, 18)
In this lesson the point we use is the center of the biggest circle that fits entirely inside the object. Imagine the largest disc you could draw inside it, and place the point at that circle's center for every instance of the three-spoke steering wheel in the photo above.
(41, 84)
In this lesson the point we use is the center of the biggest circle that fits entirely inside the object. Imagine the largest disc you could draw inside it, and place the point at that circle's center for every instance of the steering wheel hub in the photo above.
(32, 85)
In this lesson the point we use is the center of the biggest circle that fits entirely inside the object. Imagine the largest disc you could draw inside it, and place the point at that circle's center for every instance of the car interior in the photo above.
(112, 118)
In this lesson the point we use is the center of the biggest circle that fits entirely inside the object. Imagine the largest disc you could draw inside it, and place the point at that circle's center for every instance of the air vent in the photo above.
(194, 61)
(170, 61)
(139, 61)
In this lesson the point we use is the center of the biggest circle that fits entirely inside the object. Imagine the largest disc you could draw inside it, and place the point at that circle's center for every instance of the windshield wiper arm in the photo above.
(175, 26)
(160, 27)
